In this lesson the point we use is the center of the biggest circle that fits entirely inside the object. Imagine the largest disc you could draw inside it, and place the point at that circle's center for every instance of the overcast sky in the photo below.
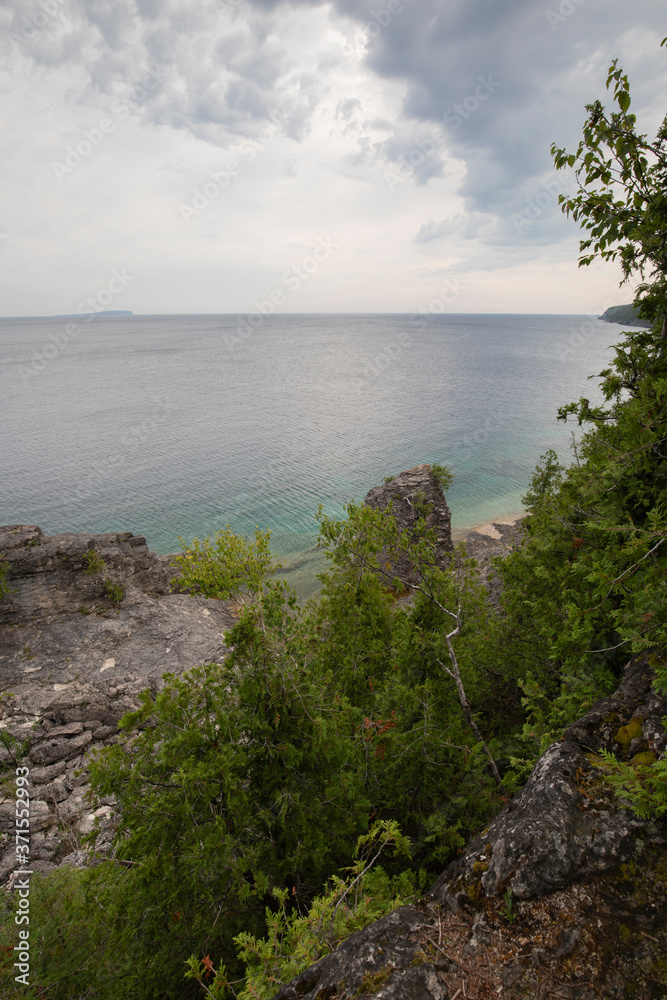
(173, 156)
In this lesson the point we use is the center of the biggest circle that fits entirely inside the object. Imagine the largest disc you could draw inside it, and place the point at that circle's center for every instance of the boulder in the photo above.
(385, 960)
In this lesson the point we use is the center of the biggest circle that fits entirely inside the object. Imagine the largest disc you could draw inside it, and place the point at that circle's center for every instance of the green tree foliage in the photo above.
(227, 565)
(114, 592)
(615, 496)
(643, 785)
(238, 781)
(622, 196)
(442, 476)
(71, 942)
(295, 941)
(369, 543)
(589, 586)
(92, 562)
(255, 778)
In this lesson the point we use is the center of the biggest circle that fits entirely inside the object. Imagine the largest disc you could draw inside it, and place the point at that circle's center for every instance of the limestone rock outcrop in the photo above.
(72, 662)
(413, 494)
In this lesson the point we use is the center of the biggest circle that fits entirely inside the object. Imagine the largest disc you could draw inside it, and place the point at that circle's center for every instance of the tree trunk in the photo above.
(465, 706)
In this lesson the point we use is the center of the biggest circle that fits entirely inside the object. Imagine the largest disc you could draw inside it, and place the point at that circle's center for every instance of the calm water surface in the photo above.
(177, 425)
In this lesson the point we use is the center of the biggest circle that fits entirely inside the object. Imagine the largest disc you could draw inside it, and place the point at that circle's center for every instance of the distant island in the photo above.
(625, 315)
(98, 315)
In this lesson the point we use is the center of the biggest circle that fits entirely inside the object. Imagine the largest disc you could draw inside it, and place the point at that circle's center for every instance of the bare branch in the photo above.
(455, 674)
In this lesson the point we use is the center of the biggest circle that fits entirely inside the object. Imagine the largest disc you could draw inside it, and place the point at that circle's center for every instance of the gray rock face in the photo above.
(628, 722)
(411, 494)
(47, 574)
(49, 750)
(386, 960)
(71, 664)
(562, 826)
(566, 824)
(563, 894)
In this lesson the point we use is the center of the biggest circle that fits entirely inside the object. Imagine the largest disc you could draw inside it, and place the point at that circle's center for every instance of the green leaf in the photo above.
(623, 99)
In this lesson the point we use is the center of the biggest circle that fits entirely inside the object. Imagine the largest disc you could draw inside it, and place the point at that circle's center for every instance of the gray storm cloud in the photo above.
(490, 84)
(505, 81)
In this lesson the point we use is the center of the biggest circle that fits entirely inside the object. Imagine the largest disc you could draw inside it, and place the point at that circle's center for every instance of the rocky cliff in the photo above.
(73, 660)
(413, 494)
(563, 895)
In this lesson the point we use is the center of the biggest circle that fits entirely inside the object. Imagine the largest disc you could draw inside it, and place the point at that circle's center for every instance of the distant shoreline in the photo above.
(625, 315)
(102, 314)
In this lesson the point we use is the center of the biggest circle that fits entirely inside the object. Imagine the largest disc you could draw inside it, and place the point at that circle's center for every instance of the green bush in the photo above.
(442, 476)
(70, 940)
(114, 592)
(227, 565)
(295, 941)
(92, 562)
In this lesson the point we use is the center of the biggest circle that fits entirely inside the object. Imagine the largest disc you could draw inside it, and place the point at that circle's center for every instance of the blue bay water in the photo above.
(177, 425)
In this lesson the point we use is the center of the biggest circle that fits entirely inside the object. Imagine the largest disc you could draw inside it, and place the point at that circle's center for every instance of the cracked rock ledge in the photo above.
(72, 664)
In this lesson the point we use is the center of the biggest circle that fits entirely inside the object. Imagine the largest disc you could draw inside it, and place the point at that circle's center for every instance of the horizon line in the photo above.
(370, 312)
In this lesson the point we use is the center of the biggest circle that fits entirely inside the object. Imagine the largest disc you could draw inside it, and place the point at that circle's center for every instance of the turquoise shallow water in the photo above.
(177, 425)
